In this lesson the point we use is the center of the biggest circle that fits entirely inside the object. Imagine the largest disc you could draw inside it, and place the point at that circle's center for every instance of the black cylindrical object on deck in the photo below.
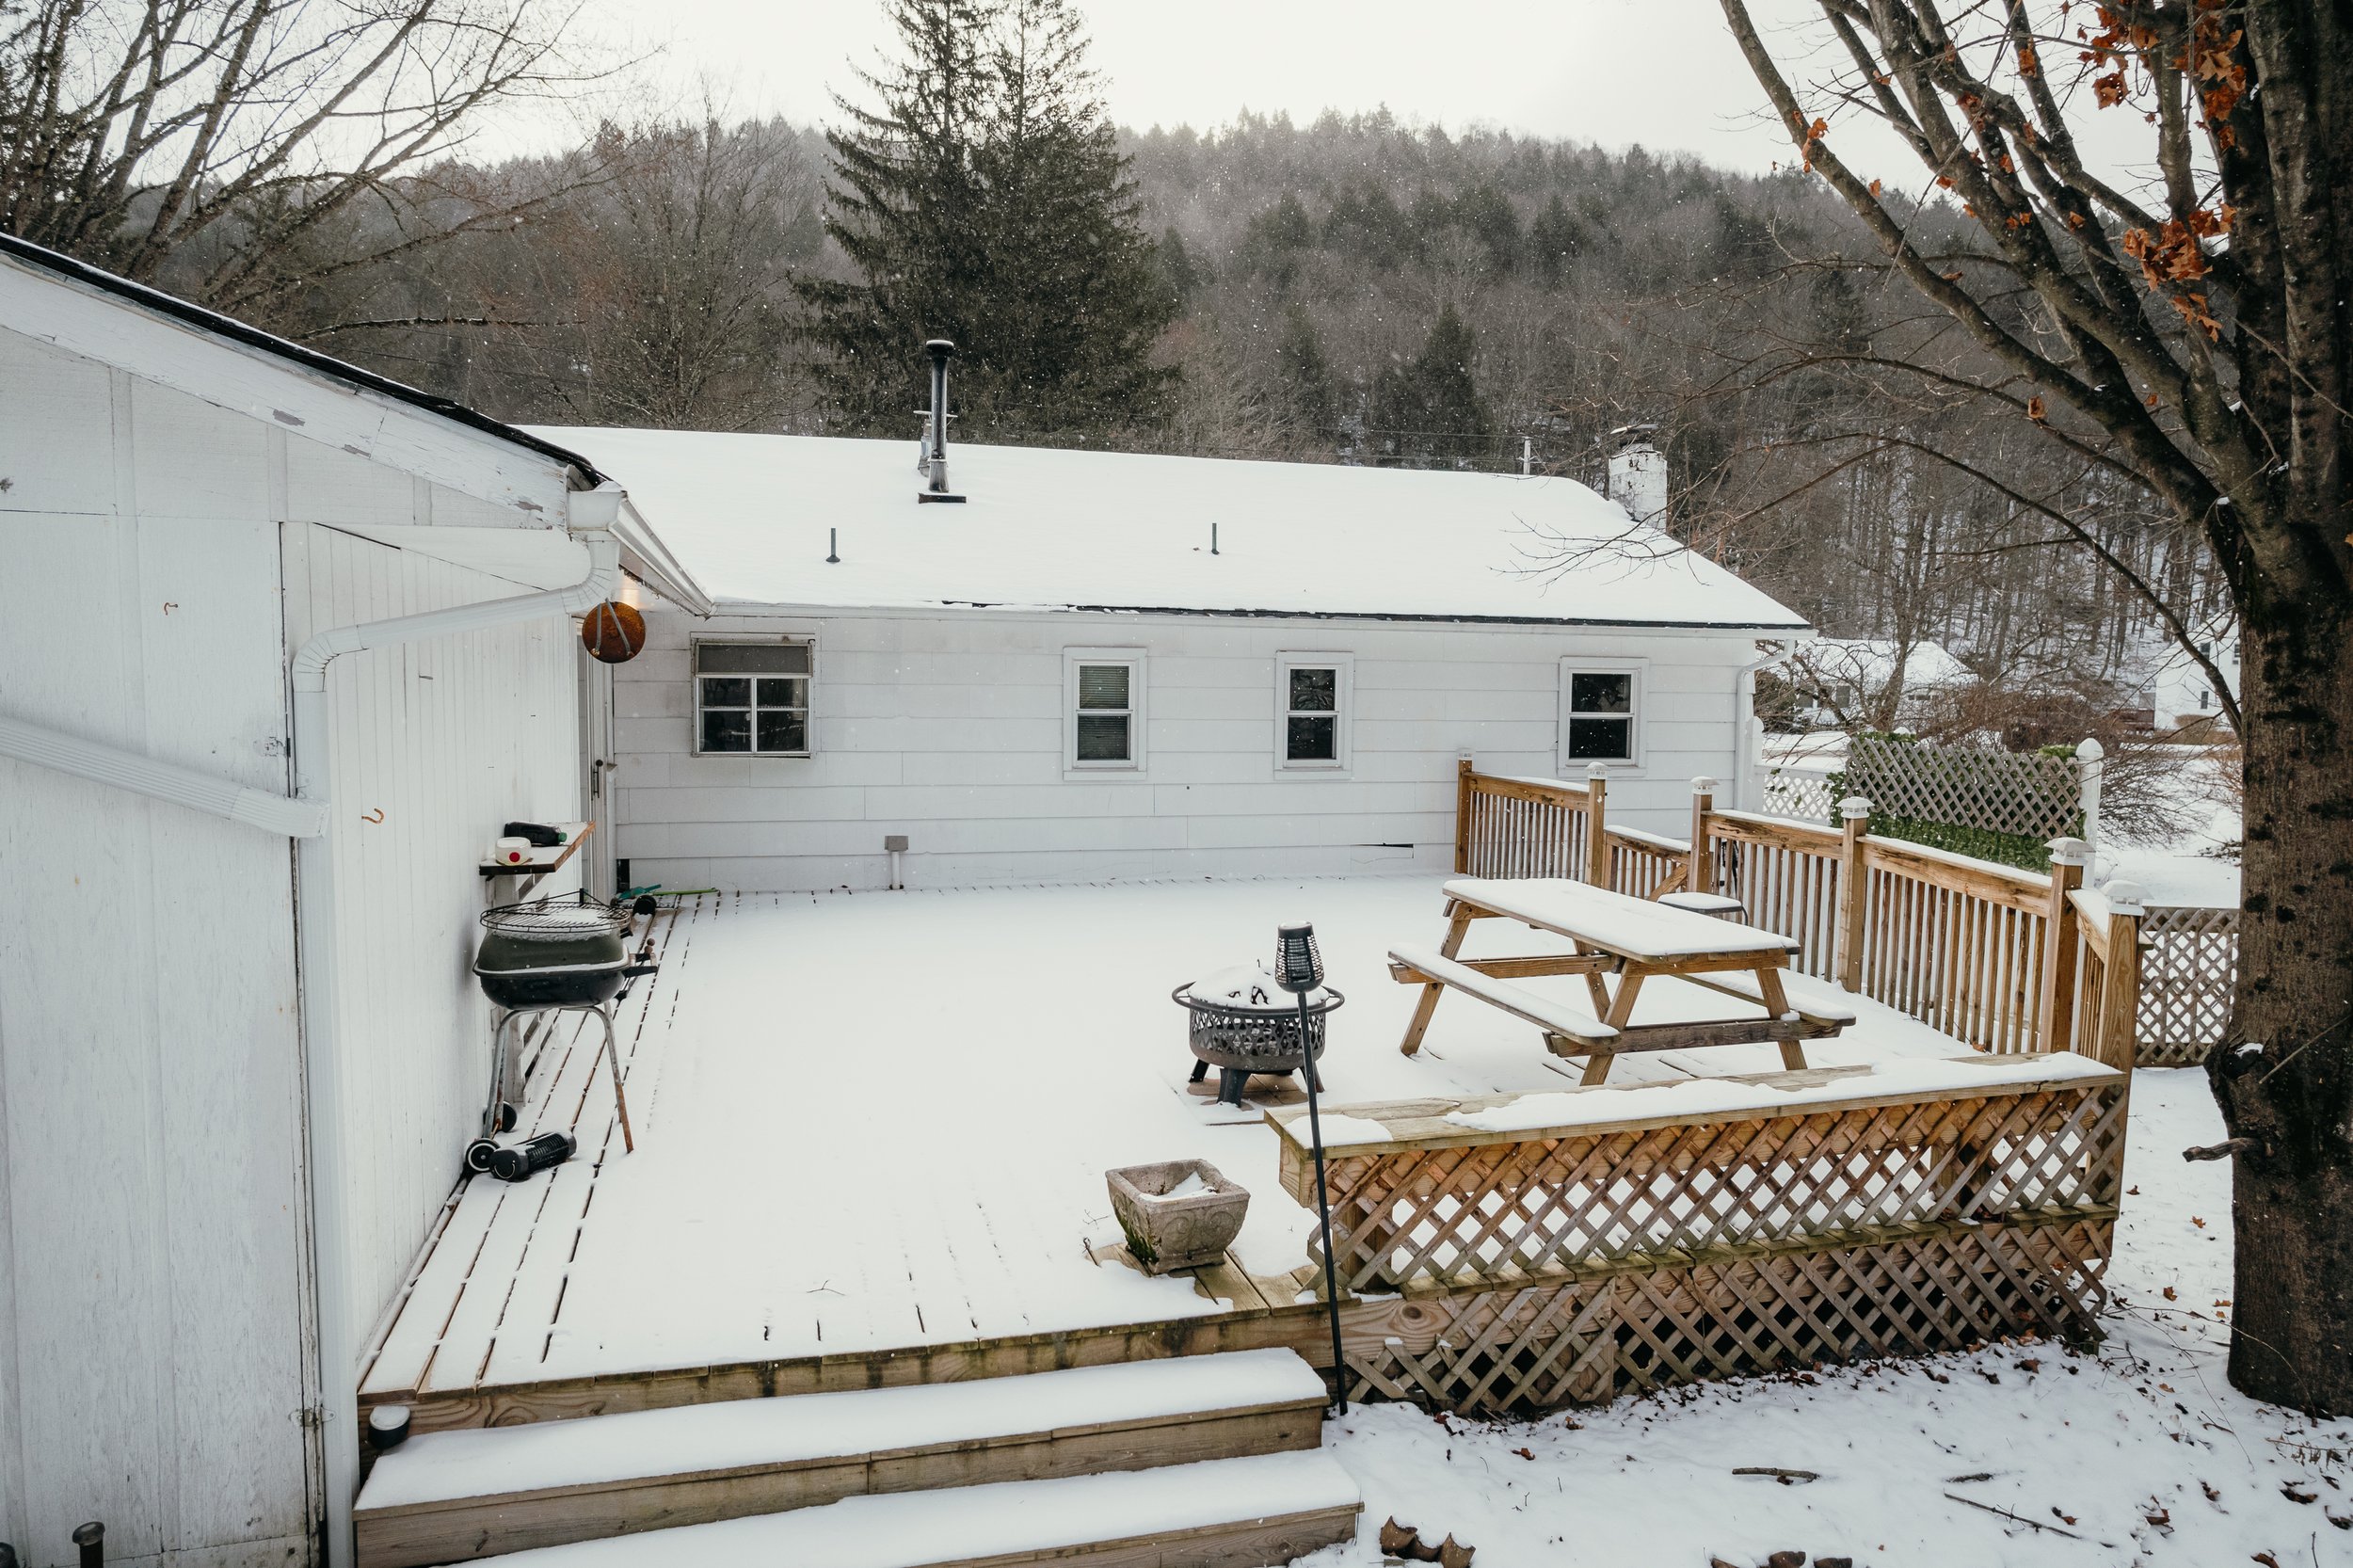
(91, 1538)
(533, 1155)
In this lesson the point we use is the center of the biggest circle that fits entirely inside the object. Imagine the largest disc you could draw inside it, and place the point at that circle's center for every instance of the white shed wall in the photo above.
(435, 745)
(949, 729)
(154, 1300)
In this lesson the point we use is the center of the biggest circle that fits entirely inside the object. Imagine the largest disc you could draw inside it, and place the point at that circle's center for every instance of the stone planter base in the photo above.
(1165, 1234)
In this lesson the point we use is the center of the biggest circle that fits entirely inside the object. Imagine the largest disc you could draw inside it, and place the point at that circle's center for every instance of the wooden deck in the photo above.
(833, 1190)
(888, 1294)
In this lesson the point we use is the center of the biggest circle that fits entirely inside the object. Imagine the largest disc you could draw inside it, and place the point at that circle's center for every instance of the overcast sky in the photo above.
(1661, 72)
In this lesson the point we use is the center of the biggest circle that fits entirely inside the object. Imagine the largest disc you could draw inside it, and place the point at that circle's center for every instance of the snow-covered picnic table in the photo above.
(1613, 935)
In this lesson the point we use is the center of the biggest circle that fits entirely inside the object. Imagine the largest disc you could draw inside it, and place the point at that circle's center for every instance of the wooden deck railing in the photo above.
(1529, 827)
(1985, 953)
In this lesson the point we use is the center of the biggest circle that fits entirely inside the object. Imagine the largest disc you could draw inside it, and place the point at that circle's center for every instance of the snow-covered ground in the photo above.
(2184, 868)
(2137, 1452)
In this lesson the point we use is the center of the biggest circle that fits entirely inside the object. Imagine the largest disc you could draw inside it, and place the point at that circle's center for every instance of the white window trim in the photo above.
(1139, 691)
(695, 694)
(1638, 733)
(1344, 742)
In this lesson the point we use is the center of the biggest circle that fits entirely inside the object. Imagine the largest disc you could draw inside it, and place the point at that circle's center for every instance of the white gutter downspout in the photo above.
(1746, 793)
(591, 516)
(168, 782)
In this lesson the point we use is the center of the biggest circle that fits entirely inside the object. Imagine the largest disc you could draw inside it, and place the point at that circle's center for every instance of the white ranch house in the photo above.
(1067, 676)
(290, 644)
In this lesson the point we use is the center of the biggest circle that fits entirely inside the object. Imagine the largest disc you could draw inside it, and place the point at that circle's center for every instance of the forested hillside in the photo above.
(1353, 290)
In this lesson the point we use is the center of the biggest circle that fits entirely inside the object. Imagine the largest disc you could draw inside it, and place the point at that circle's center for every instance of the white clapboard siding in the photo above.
(435, 745)
(153, 1264)
(949, 729)
(151, 1343)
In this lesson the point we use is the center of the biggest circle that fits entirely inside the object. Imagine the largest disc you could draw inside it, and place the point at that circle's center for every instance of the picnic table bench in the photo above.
(1612, 935)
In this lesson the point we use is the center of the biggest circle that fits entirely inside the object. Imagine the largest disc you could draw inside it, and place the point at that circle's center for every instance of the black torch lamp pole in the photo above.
(1302, 970)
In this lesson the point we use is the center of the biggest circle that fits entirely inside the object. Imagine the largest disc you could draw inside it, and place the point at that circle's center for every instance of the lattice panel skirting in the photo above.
(1408, 1217)
(2025, 794)
(2189, 968)
(1543, 1346)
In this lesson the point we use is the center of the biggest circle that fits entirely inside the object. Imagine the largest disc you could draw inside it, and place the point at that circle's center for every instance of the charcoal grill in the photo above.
(1241, 1029)
(567, 955)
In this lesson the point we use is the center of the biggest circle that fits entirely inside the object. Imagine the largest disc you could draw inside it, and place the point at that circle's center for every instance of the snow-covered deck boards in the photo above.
(873, 1122)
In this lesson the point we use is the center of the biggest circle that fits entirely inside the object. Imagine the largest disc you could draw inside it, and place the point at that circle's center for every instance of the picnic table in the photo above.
(1613, 937)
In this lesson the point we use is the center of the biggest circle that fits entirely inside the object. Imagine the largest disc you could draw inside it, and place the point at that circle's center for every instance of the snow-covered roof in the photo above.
(751, 516)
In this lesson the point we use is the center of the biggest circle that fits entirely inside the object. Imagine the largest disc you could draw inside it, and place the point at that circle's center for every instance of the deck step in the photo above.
(454, 1496)
(1249, 1512)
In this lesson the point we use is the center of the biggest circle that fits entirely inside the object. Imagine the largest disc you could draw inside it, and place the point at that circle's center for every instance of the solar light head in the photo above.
(1298, 965)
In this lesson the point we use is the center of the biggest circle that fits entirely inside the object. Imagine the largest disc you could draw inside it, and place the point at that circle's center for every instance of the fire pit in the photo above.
(1244, 1023)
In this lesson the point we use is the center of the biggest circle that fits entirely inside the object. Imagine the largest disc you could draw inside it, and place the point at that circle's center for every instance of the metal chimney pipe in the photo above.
(941, 351)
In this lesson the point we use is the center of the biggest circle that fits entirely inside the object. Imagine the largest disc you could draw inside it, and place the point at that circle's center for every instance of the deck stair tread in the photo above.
(741, 1433)
(458, 1495)
(1245, 1513)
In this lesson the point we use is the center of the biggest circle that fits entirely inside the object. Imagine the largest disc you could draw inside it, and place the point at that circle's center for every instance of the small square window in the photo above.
(751, 699)
(1312, 695)
(1598, 715)
(1105, 712)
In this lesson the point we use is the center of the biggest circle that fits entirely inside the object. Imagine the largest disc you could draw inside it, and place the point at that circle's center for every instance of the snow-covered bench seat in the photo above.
(1561, 1022)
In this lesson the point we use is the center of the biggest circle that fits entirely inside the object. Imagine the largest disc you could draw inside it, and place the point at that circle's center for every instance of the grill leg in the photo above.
(1200, 1071)
(613, 1060)
(1229, 1083)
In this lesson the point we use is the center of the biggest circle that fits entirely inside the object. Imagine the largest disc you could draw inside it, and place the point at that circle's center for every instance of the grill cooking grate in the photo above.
(565, 919)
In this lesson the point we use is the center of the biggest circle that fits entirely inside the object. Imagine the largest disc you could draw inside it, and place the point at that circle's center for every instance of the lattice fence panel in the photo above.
(2189, 968)
(1539, 1347)
(1999, 791)
(1514, 1206)
(1804, 792)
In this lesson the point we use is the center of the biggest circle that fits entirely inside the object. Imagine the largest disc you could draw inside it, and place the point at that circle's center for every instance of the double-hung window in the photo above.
(751, 699)
(1103, 707)
(1598, 712)
(1311, 692)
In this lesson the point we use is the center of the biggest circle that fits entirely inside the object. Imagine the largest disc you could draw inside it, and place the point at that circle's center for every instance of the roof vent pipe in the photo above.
(941, 351)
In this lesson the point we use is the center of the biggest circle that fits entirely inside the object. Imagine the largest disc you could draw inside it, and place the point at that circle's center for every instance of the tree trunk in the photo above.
(2291, 1207)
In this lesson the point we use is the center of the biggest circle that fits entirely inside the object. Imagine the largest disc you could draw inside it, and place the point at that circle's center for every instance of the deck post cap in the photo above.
(1854, 806)
(2069, 852)
(1703, 784)
(1597, 770)
(2126, 898)
(2090, 749)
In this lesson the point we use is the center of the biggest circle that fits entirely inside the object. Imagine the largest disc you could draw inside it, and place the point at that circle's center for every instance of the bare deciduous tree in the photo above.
(211, 137)
(2190, 339)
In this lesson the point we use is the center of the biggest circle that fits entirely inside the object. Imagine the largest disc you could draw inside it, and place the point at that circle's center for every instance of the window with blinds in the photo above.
(1105, 709)
(752, 699)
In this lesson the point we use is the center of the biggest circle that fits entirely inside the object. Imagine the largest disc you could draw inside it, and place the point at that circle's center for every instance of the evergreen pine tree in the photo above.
(1426, 410)
(1304, 375)
(985, 201)
(901, 199)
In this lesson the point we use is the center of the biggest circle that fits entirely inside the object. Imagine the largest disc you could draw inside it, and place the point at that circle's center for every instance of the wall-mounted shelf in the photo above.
(543, 862)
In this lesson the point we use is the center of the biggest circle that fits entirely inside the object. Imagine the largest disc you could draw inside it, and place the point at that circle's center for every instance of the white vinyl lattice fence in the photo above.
(1799, 790)
(2029, 795)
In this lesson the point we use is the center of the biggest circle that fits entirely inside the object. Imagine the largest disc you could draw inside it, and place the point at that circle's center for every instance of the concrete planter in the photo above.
(1190, 1231)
